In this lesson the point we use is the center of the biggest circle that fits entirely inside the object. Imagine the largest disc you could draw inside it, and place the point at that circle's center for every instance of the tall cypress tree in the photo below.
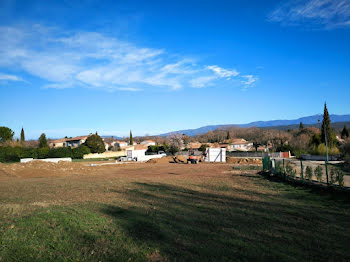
(326, 128)
(22, 136)
(344, 133)
(228, 136)
(301, 125)
(131, 141)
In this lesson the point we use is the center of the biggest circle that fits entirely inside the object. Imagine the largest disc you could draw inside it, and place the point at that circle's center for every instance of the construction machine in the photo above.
(192, 158)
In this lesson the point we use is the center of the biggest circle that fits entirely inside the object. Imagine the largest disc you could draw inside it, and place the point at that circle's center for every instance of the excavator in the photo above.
(192, 158)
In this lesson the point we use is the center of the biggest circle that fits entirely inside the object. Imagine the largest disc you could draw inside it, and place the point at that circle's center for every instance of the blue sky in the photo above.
(74, 67)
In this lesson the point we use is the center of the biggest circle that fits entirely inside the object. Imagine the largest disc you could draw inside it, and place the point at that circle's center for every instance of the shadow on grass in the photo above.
(191, 225)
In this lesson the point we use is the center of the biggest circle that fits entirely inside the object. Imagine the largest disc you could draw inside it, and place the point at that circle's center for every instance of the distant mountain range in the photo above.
(278, 124)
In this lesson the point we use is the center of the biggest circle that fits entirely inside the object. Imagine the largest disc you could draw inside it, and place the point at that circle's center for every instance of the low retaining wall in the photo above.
(109, 154)
(319, 157)
(149, 157)
(54, 160)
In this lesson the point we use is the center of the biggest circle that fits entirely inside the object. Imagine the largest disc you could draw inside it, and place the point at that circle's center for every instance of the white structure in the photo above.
(54, 160)
(139, 154)
(148, 143)
(135, 154)
(215, 155)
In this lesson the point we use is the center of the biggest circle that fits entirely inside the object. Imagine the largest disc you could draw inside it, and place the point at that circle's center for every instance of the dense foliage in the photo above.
(43, 141)
(14, 154)
(95, 144)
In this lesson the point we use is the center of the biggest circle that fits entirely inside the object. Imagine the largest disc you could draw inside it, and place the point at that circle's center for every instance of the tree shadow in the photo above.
(192, 225)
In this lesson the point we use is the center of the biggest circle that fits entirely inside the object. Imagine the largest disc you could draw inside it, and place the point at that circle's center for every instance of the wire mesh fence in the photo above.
(311, 171)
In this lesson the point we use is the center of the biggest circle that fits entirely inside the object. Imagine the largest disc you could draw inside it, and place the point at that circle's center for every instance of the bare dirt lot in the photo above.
(164, 211)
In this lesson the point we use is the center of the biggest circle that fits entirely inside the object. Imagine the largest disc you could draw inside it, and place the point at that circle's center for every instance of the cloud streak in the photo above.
(324, 13)
(6, 77)
(93, 60)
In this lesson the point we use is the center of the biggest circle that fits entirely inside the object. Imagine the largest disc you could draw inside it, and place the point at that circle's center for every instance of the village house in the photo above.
(119, 144)
(57, 143)
(240, 144)
(76, 141)
(148, 143)
(194, 145)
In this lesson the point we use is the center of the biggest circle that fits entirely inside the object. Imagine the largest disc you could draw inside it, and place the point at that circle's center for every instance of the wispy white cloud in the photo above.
(202, 81)
(222, 72)
(93, 60)
(249, 80)
(6, 77)
(129, 89)
(327, 13)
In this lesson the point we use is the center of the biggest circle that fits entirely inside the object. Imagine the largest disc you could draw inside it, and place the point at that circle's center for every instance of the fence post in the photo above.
(284, 171)
(327, 171)
(302, 170)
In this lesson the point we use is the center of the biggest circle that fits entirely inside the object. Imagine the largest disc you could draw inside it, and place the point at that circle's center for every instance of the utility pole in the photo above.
(325, 134)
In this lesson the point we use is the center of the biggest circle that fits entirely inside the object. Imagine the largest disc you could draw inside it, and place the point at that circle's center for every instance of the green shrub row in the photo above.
(14, 154)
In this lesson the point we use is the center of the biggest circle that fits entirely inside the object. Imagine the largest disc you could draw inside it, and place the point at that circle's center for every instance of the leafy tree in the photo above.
(256, 145)
(173, 149)
(203, 147)
(6, 134)
(42, 141)
(176, 141)
(156, 149)
(95, 144)
(326, 128)
(316, 140)
(228, 136)
(344, 133)
(22, 136)
(301, 125)
(131, 140)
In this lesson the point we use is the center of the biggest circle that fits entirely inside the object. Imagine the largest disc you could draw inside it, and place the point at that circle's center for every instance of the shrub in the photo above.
(28, 152)
(278, 168)
(308, 173)
(60, 152)
(340, 177)
(79, 152)
(318, 173)
(289, 170)
(9, 154)
(43, 152)
(333, 176)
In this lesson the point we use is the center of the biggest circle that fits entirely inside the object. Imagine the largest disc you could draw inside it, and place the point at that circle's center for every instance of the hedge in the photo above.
(14, 154)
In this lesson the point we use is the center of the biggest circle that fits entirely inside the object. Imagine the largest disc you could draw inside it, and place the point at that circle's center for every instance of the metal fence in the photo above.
(311, 171)
(252, 154)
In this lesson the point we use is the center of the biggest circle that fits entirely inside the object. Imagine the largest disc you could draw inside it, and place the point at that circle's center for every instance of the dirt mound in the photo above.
(167, 159)
(181, 159)
(42, 169)
(243, 161)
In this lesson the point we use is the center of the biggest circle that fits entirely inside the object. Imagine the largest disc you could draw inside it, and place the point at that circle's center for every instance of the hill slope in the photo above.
(308, 120)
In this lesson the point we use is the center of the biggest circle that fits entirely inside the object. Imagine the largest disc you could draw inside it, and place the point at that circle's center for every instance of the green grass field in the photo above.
(155, 213)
